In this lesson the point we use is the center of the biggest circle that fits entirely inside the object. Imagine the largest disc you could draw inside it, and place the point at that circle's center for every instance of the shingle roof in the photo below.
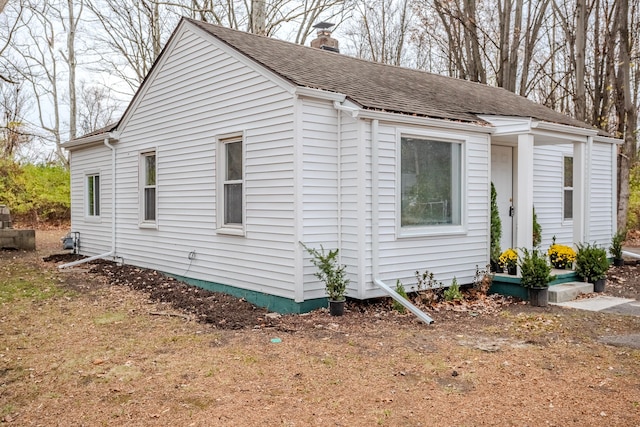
(383, 87)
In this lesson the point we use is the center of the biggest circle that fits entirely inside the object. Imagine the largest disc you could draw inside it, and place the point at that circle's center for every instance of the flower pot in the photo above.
(512, 269)
(598, 285)
(539, 297)
(495, 267)
(336, 308)
(618, 262)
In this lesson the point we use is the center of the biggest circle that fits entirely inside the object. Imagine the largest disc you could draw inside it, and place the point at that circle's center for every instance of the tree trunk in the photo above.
(257, 24)
(626, 112)
(71, 62)
(580, 35)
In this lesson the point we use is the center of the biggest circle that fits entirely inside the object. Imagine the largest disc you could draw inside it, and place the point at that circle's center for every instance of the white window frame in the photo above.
(142, 187)
(432, 230)
(566, 188)
(222, 142)
(97, 197)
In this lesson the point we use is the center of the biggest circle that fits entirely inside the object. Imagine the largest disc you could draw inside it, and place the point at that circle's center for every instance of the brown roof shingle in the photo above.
(384, 87)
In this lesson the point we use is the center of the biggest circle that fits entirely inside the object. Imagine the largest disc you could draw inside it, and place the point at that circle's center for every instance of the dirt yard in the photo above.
(106, 345)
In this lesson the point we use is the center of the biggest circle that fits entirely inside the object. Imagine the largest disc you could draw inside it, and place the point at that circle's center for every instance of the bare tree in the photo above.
(8, 30)
(44, 50)
(381, 31)
(13, 131)
(131, 37)
(97, 108)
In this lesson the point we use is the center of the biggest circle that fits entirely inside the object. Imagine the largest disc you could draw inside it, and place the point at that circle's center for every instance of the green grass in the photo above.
(28, 284)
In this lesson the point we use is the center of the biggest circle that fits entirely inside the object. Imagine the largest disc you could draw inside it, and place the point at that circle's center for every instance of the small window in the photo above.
(148, 186)
(93, 195)
(431, 183)
(231, 173)
(568, 188)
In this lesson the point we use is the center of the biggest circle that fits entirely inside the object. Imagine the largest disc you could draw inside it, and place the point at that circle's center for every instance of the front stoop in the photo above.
(568, 291)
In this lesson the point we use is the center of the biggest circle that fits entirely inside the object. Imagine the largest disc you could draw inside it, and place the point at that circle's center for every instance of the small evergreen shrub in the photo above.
(452, 293)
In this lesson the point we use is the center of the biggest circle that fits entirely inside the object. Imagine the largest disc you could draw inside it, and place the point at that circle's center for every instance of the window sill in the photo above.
(93, 219)
(231, 231)
(413, 232)
(148, 225)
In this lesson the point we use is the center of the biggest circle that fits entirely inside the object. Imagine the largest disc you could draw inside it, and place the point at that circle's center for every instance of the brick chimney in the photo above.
(323, 38)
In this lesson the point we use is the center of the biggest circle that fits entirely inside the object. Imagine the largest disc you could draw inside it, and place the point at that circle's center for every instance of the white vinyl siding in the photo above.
(198, 92)
(320, 186)
(95, 232)
(446, 255)
(602, 197)
(549, 193)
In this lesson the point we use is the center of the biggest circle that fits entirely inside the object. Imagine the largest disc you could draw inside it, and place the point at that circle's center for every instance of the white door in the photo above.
(502, 178)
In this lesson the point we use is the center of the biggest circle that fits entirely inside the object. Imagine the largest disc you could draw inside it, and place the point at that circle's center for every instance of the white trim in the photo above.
(298, 207)
(142, 155)
(614, 188)
(432, 230)
(564, 220)
(407, 120)
(524, 192)
(302, 91)
(87, 216)
(91, 140)
(362, 206)
(579, 190)
(221, 141)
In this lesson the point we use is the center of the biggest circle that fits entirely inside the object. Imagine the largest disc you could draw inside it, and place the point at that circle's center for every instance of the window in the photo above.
(568, 188)
(93, 195)
(431, 182)
(231, 173)
(148, 185)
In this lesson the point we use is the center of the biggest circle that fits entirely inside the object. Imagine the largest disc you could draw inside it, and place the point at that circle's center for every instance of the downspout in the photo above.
(587, 189)
(375, 230)
(113, 213)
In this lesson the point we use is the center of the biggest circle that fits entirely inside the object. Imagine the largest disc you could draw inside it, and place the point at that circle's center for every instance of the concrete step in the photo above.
(568, 291)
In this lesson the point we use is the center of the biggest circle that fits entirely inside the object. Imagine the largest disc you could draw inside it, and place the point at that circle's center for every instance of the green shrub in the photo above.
(400, 291)
(496, 227)
(329, 272)
(534, 270)
(452, 293)
(35, 193)
(591, 262)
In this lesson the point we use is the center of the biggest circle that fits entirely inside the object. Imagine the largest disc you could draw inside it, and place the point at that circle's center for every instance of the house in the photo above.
(237, 148)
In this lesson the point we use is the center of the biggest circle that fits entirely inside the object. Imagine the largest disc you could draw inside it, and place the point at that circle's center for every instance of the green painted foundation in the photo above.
(504, 284)
(270, 302)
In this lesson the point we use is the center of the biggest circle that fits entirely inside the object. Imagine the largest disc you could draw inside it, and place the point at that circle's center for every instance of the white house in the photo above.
(237, 148)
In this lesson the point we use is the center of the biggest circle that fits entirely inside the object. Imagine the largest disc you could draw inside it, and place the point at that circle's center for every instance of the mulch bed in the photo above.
(227, 312)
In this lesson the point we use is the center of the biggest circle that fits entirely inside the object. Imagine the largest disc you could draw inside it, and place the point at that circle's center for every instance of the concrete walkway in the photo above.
(605, 304)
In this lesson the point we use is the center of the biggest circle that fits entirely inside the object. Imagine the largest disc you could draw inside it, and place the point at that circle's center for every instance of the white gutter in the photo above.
(113, 212)
(631, 254)
(375, 231)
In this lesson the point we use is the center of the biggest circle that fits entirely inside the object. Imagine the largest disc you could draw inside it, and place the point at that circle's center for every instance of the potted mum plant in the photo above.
(535, 275)
(616, 248)
(332, 275)
(592, 265)
(509, 260)
(561, 256)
